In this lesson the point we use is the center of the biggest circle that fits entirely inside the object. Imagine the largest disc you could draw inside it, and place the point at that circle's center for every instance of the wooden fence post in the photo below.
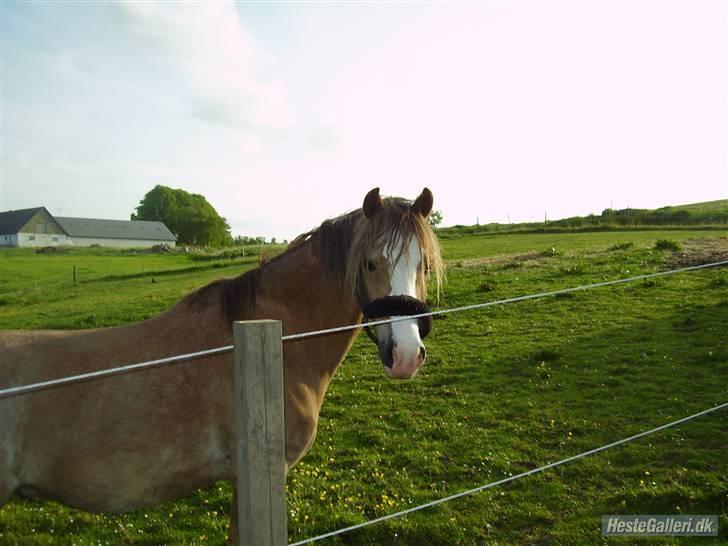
(260, 433)
(74, 275)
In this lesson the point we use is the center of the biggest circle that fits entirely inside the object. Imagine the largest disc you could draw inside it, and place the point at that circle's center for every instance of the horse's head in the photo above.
(393, 253)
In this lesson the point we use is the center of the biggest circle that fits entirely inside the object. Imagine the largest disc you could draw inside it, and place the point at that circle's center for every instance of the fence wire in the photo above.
(508, 479)
(128, 368)
(474, 306)
(26, 389)
(40, 284)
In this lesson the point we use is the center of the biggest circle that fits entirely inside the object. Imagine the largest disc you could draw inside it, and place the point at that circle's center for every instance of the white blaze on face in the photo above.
(405, 334)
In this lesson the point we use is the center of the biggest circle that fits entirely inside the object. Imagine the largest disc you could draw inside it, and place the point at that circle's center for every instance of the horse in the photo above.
(135, 440)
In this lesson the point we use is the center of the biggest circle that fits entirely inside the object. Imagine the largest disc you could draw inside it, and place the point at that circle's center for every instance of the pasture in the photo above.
(504, 390)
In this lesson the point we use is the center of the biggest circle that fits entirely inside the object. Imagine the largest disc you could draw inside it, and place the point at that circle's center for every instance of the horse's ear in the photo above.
(423, 204)
(372, 203)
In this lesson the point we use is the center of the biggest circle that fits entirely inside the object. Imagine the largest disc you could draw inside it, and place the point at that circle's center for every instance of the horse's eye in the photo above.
(371, 266)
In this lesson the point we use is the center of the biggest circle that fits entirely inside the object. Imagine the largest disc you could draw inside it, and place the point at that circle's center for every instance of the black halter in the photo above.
(397, 306)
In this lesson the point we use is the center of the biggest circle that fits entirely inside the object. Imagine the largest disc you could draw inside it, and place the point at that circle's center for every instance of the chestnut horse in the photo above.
(135, 440)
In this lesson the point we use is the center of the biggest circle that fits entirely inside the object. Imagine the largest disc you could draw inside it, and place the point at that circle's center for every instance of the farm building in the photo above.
(38, 228)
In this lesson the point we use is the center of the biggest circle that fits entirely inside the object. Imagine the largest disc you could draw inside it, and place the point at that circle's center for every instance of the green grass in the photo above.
(113, 286)
(505, 389)
(487, 245)
(706, 207)
(707, 215)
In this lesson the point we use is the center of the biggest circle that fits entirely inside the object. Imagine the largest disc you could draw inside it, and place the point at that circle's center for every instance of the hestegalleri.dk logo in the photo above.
(660, 525)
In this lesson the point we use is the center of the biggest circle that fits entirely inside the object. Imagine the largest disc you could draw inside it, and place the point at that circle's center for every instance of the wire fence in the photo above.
(41, 280)
(37, 284)
(509, 478)
(110, 372)
(86, 275)
(129, 368)
(515, 299)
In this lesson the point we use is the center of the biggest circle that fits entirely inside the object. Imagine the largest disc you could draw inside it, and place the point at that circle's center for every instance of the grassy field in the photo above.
(719, 205)
(113, 287)
(711, 215)
(504, 390)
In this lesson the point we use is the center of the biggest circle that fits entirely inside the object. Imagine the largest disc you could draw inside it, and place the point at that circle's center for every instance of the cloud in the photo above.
(223, 67)
(324, 136)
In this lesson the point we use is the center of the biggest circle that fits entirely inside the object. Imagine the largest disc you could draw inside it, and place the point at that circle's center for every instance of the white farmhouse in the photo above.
(38, 228)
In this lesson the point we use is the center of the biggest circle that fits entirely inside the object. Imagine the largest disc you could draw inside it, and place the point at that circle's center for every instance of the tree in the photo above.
(435, 218)
(189, 215)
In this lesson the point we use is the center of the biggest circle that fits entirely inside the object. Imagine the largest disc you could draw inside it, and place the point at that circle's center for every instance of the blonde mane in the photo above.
(344, 243)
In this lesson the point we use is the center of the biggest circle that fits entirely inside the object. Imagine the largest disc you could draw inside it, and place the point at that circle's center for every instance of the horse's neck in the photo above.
(297, 290)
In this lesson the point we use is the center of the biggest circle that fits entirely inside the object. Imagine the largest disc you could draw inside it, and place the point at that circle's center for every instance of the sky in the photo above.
(285, 114)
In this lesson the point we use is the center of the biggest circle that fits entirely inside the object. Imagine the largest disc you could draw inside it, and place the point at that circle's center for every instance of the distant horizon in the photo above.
(444, 225)
(284, 115)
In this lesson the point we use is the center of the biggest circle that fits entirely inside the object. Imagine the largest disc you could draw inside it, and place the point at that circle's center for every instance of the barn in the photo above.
(37, 227)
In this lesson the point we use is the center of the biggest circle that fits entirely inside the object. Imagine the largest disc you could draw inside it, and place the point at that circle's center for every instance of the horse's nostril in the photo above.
(386, 352)
(423, 354)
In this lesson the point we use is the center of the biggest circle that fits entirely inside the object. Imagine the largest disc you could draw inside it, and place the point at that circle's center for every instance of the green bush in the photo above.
(227, 254)
(667, 244)
(551, 252)
(486, 286)
(621, 246)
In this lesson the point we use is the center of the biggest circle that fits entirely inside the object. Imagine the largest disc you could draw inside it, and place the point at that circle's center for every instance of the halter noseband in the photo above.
(397, 306)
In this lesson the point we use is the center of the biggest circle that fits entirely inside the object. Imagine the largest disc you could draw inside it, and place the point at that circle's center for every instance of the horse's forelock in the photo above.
(393, 226)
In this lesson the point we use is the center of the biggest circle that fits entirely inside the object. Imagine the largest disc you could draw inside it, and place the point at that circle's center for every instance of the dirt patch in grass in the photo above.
(699, 251)
(527, 258)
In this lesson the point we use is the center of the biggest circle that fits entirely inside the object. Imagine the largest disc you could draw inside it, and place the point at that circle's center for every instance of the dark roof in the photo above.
(115, 229)
(12, 221)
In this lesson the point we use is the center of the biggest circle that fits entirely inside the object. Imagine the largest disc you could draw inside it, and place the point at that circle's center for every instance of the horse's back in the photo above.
(15, 343)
